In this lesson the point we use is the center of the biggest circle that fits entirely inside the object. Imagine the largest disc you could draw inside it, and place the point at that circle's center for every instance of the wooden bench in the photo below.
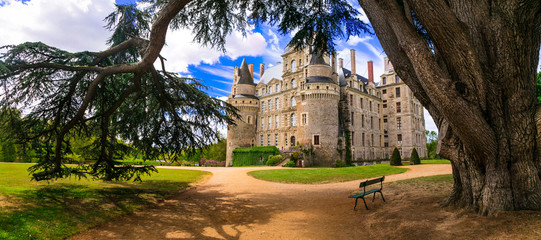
(364, 193)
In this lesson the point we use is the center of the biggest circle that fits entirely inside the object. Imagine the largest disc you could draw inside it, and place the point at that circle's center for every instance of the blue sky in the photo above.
(77, 25)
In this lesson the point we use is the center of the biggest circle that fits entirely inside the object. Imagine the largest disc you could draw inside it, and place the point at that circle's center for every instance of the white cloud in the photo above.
(361, 62)
(72, 25)
(429, 122)
(181, 51)
(354, 40)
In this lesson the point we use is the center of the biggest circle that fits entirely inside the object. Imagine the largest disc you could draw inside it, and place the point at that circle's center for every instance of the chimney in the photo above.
(261, 69)
(251, 67)
(353, 72)
(370, 71)
(386, 65)
(334, 61)
(341, 62)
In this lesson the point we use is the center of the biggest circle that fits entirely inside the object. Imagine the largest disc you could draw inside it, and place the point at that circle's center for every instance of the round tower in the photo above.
(243, 98)
(320, 111)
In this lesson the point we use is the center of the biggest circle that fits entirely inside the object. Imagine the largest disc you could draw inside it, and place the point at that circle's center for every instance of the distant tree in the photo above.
(396, 160)
(414, 159)
(432, 144)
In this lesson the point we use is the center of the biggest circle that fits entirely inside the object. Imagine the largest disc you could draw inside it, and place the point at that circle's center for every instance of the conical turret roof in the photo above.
(317, 58)
(245, 75)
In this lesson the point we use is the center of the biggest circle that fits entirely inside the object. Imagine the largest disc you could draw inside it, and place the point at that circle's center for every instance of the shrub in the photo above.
(273, 160)
(202, 162)
(290, 164)
(295, 156)
(211, 163)
(395, 158)
(339, 163)
(222, 164)
(414, 159)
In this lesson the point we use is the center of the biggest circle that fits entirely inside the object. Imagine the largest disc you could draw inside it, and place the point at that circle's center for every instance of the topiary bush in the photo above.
(396, 160)
(273, 160)
(414, 159)
(290, 164)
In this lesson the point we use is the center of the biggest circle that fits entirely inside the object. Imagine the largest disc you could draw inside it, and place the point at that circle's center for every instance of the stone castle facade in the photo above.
(313, 101)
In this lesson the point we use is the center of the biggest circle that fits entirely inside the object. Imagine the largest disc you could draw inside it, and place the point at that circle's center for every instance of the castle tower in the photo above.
(243, 98)
(319, 111)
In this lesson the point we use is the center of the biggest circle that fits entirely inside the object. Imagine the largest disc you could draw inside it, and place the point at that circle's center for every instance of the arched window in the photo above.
(293, 66)
(293, 120)
(293, 83)
(292, 140)
(293, 102)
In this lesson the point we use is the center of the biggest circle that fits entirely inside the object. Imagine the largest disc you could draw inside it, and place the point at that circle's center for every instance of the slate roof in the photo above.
(245, 76)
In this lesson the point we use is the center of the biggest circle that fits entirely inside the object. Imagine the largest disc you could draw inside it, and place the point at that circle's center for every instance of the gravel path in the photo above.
(233, 205)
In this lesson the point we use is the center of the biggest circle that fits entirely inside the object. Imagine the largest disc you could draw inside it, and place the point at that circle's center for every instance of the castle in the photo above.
(311, 100)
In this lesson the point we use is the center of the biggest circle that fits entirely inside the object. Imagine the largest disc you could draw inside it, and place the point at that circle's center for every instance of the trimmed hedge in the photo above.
(396, 160)
(414, 159)
(253, 156)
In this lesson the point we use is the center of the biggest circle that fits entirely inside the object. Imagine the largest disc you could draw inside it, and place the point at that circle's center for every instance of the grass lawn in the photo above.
(59, 209)
(325, 175)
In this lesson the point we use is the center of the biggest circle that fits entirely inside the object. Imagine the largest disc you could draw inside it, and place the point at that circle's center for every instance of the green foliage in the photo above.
(432, 144)
(538, 87)
(59, 209)
(273, 160)
(396, 160)
(349, 155)
(340, 164)
(253, 156)
(414, 159)
(326, 175)
(160, 113)
(290, 164)
(216, 151)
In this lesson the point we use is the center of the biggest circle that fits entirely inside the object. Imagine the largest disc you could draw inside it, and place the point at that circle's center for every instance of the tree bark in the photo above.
(475, 74)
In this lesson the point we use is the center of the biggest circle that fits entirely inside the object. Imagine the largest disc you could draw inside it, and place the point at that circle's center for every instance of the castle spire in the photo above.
(245, 75)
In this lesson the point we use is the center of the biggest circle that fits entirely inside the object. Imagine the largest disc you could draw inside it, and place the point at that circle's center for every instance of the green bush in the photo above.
(273, 160)
(395, 158)
(295, 156)
(414, 159)
(290, 164)
(253, 156)
(339, 163)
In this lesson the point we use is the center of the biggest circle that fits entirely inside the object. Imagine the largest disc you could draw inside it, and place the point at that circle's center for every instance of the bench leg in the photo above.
(365, 204)
(374, 197)
(381, 195)
(355, 204)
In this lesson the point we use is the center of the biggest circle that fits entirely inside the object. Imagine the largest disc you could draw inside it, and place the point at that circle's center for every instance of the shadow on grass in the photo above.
(59, 210)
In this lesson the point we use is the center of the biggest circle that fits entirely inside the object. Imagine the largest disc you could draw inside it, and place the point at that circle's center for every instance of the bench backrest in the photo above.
(372, 181)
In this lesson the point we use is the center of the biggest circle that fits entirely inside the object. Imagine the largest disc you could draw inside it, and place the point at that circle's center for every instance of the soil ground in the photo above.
(232, 205)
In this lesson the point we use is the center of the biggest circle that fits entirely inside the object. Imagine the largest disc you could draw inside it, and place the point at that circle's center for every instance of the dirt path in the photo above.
(233, 205)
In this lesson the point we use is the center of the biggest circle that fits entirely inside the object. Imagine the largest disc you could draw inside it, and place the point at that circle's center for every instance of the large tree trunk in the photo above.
(474, 71)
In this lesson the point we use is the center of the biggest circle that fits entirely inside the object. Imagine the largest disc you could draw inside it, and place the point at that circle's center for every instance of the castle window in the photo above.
(362, 121)
(275, 139)
(234, 91)
(276, 121)
(261, 143)
(362, 103)
(262, 124)
(363, 139)
(398, 109)
(269, 123)
(352, 138)
(249, 119)
(277, 87)
(293, 67)
(276, 103)
(293, 119)
(385, 105)
(292, 140)
(352, 118)
(351, 100)
(293, 83)
(371, 122)
(302, 85)
(385, 120)
(398, 123)
(286, 68)
(384, 91)
(293, 102)
(268, 140)
(373, 140)
(270, 105)
(399, 138)
(262, 106)
(370, 104)
(386, 144)
(285, 140)
(384, 80)
(286, 86)
(397, 92)
(317, 87)
(300, 62)
(303, 119)
(397, 79)
(316, 139)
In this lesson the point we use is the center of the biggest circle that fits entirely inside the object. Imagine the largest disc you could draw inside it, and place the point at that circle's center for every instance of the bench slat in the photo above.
(371, 181)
